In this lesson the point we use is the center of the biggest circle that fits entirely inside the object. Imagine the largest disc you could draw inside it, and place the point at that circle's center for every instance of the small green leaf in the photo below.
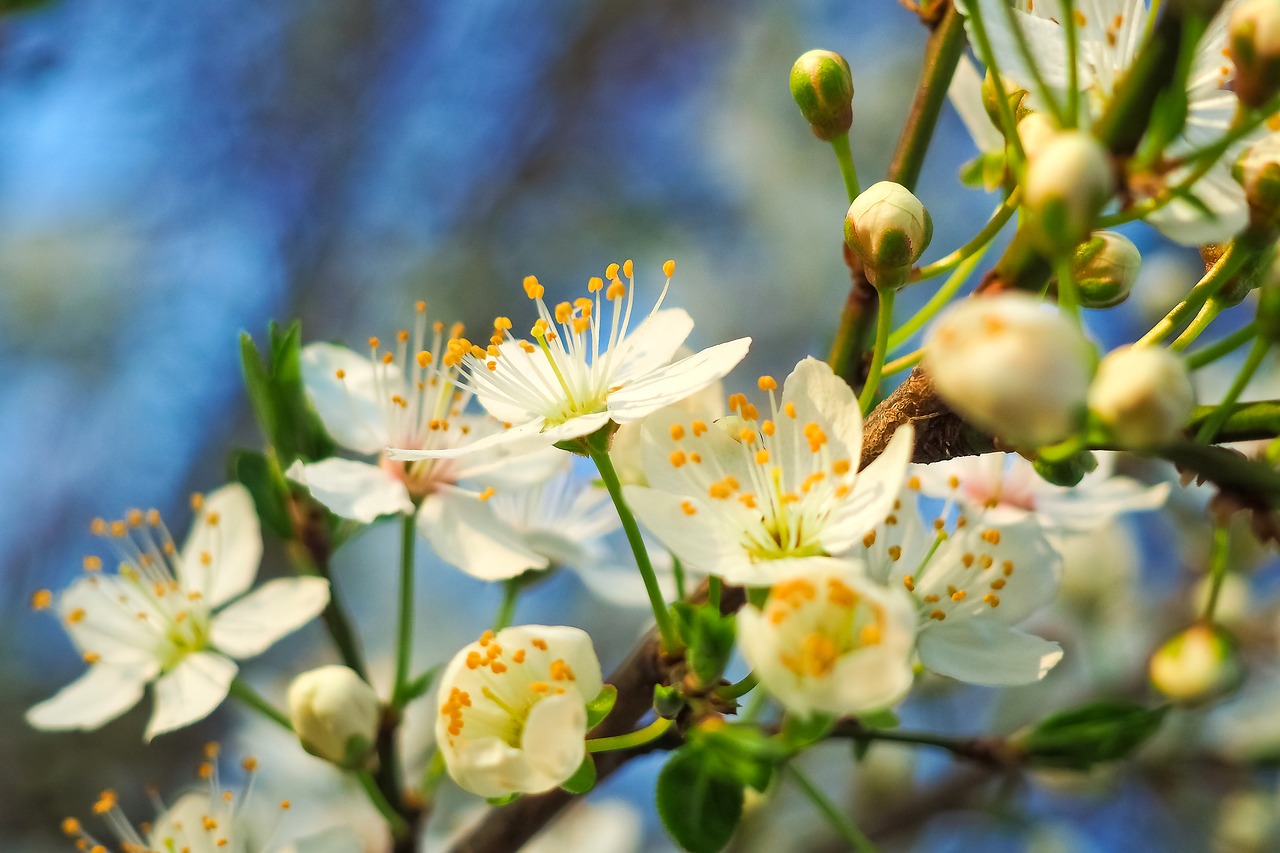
(583, 779)
(700, 809)
(1099, 732)
(262, 478)
(599, 707)
(284, 413)
(739, 752)
(708, 637)
(885, 719)
(799, 732)
(418, 687)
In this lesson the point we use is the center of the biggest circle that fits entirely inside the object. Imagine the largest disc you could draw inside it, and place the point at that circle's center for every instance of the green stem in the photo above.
(399, 826)
(884, 326)
(740, 688)
(1068, 294)
(1008, 122)
(844, 156)
(404, 633)
(1210, 353)
(507, 609)
(677, 571)
(998, 219)
(651, 732)
(1208, 313)
(714, 588)
(1217, 568)
(940, 298)
(844, 827)
(666, 628)
(1251, 363)
(246, 694)
(1214, 280)
(1073, 68)
(906, 362)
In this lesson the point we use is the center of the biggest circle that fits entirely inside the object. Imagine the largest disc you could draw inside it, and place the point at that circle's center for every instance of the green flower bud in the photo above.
(1197, 665)
(1142, 395)
(822, 85)
(1105, 269)
(335, 715)
(1258, 171)
(889, 229)
(1013, 93)
(1067, 184)
(1253, 43)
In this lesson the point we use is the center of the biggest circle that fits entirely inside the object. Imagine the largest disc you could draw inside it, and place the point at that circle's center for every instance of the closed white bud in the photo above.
(335, 714)
(1105, 269)
(1253, 43)
(1258, 171)
(1068, 182)
(1142, 395)
(1035, 131)
(1197, 665)
(1012, 366)
(889, 229)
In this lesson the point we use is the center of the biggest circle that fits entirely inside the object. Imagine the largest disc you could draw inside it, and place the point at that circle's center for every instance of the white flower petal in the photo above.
(190, 691)
(1044, 38)
(103, 693)
(352, 489)
(652, 344)
(490, 768)
(703, 547)
(220, 560)
(466, 532)
(100, 613)
(983, 651)
(279, 607)
(524, 438)
(554, 738)
(818, 396)
(348, 407)
(874, 492)
(965, 94)
(673, 383)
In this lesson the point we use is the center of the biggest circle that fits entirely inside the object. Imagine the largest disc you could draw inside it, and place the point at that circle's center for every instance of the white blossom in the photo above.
(831, 641)
(577, 377)
(747, 497)
(175, 618)
(513, 713)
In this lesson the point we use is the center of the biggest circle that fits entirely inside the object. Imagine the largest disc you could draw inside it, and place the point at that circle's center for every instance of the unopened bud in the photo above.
(1253, 43)
(1258, 171)
(889, 229)
(1142, 395)
(822, 85)
(1197, 665)
(1068, 182)
(1035, 131)
(1105, 269)
(1268, 319)
(335, 715)
(1013, 366)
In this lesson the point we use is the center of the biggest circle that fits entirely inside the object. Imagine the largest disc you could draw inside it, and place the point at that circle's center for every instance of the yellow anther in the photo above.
(487, 493)
(628, 268)
(71, 826)
(340, 373)
(374, 343)
(678, 458)
(501, 324)
(985, 561)
(616, 290)
(249, 764)
(768, 428)
(958, 595)
(106, 802)
(677, 432)
(698, 427)
(688, 508)
(212, 519)
(98, 527)
(937, 615)
(153, 517)
(669, 268)
(895, 552)
(991, 599)
(424, 358)
(695, 458)
(532, 288)
(487, 637)
(76, 615)
(747, 435)
(841, 467)
(41, 599)
(134, 517)
(767, 383)
(420, 306)
(762, 456)
(564, 312)
(595, 284)
(869, 539)
(870, 634)
(118, 529)
(910, 583)
(790, 409)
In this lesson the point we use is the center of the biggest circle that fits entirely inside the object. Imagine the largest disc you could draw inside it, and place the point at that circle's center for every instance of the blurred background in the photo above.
(173, 174)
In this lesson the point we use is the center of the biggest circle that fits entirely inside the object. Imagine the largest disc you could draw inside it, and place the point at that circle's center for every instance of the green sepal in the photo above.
(1066, 472)
(708, 638)
(597, 442)
(417, 687)
(668, 701)
(800, 732)
(1091, 734)
(700, 808)
(583, 779)
(503, 800)
(599, 707)
(261, 475)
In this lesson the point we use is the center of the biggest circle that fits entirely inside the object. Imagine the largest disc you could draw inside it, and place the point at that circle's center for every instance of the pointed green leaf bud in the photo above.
(1253, 43)
(1067, 184)
(822, 85)
(1105, 269)
(335, 715)
(1142, 395)
(1197, 665)
(889, 229)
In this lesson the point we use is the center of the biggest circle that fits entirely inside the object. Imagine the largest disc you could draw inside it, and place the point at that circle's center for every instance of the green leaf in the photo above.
(418, 687)
(699, 808)
(583, 779)
(280, 403)
(708, 637)
(885, 719)
(261, 476)
(599, 707)
(799, 732)
(740, 752)
(1082, 737)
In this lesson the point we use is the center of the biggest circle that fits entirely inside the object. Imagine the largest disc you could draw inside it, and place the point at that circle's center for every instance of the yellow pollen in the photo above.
(985, 561)
(695, 458)
(966, 560)
(532, 288)
(913, 483)
(564, 312)
(561, 671)
(768, 428)
(767, 383)
(209, 823)
(487, 493)
(688, 508)
(539, 643)
(118, 529)
(206, 559)
(595, 284)
(958, 595)
(869, 539)
(616, 290)
(910, 583)
(992, 599)
(611, 272)
(134, 517)
(71, 826)
(998, 583)
(1081, 20)
(374, 343)
(41, 599)
(286, 805)
(76, 615)
(698, 427)
(213, 518)
(747, 435)
(518, 655)
(424, 358)
(249, 764)
(991, 536)
(98, 527)
(92, 563)
(841, 467)
(937, 615)
(628, 268)
(106, 802)
(895, 552)
(486, 638)
(669, 268)
(790, 410)
(762, 456)
(92, 657)
(869, 635)
(539, 686)
(677, 458)
(677, 432)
